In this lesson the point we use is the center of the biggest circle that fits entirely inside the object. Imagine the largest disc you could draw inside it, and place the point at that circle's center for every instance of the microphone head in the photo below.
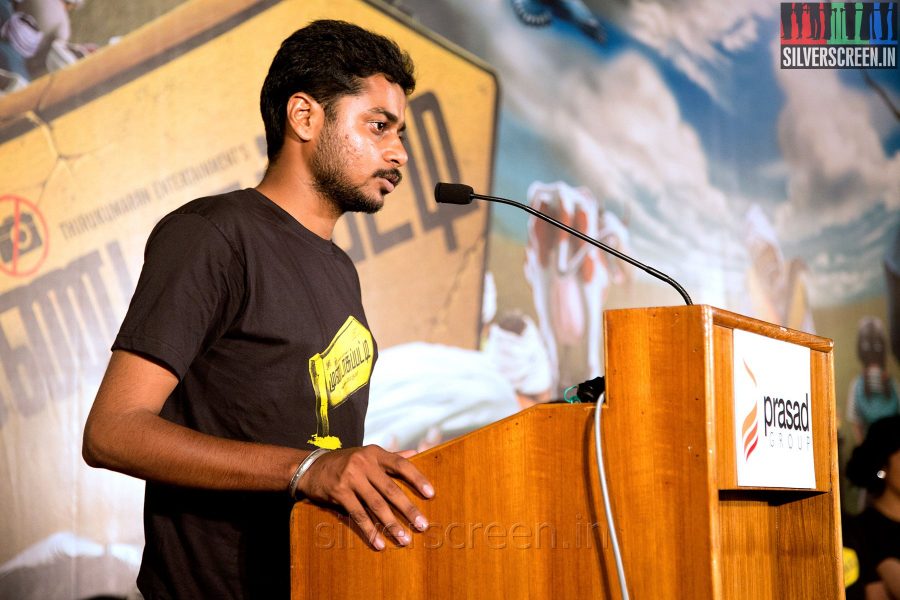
(453, 193)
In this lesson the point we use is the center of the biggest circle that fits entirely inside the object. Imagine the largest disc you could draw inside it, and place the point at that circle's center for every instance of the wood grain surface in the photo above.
(518, 512)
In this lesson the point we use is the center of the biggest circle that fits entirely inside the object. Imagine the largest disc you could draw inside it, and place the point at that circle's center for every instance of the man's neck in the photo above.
(301, 200)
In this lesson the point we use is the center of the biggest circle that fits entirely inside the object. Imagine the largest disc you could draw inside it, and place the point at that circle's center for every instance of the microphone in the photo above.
(458, 193)
(453, 193)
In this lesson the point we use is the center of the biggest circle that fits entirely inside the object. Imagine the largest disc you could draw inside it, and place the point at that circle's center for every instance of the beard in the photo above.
(329, 171)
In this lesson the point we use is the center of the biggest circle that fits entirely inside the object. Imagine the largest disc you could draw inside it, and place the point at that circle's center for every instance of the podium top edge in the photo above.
(732, 320)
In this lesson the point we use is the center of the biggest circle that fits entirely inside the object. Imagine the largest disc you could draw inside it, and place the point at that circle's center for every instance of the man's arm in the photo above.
(125, 433)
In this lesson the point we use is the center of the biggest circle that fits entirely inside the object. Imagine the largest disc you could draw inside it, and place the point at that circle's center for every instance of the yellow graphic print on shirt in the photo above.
(337, 372)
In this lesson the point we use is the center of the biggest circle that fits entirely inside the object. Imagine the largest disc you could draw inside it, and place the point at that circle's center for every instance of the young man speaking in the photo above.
(239, 379)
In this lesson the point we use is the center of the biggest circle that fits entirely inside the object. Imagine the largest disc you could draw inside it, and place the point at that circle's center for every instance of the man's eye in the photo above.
(379, 125)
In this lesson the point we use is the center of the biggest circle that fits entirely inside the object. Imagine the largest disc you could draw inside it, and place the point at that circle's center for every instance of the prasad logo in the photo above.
(785, 415)
(750, 427)
(785, 422)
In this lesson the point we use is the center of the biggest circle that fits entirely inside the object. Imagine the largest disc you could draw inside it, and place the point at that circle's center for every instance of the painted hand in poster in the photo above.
(570, 279)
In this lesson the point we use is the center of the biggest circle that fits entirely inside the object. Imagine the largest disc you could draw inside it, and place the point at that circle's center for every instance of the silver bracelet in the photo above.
(305, 464)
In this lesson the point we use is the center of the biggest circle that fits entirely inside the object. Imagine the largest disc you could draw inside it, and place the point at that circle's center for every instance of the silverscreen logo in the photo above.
(839, 35)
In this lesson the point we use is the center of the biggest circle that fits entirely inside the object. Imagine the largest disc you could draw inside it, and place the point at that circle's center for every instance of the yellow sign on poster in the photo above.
(95, 154)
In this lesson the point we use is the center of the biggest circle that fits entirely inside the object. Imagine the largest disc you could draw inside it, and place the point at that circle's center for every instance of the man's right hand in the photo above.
(358, 479)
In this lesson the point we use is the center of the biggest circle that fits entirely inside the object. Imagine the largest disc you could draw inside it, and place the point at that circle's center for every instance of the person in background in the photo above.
(873, 393)
(875, 466)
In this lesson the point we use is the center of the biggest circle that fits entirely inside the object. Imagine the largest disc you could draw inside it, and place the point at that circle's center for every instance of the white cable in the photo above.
(614, 540)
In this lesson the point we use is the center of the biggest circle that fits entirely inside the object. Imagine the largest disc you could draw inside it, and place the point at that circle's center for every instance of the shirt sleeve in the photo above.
(190, 290)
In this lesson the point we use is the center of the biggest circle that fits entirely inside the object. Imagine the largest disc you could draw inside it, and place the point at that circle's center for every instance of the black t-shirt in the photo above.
(262, 322)
(877, 538)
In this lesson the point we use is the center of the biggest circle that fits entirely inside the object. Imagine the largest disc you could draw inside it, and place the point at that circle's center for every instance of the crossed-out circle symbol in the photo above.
(24, 239)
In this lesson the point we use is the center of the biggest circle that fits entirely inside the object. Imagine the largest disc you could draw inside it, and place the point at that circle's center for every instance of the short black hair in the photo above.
(327, 59)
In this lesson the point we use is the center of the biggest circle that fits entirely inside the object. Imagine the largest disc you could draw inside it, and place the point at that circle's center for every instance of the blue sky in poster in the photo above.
(682, 120)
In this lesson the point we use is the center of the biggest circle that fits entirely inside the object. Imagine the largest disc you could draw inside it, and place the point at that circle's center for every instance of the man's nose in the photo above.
(396, 152)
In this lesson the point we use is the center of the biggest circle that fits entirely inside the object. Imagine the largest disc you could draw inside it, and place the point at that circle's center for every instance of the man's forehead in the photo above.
(376, 98)
(385, 99)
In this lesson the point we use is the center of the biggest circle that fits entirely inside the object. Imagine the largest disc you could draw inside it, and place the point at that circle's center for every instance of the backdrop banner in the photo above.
(108, 147)
(672, 131)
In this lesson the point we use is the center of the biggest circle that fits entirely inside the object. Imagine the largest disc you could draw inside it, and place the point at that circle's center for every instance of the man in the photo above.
(246, 346)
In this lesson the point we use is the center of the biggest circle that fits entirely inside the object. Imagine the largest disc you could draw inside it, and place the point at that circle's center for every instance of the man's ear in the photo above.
(304, 116)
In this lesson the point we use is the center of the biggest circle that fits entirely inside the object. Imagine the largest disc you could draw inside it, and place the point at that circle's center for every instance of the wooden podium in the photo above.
(518, 511)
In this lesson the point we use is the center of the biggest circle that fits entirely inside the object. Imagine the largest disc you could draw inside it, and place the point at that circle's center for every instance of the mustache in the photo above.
(392, 175)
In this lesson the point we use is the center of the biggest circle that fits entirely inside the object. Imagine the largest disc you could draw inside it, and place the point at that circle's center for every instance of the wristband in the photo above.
(305, 464)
